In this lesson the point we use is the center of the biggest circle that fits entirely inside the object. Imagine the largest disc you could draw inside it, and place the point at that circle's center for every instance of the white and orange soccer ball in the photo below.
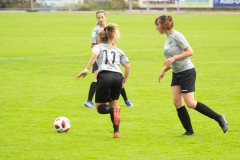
(62, 124)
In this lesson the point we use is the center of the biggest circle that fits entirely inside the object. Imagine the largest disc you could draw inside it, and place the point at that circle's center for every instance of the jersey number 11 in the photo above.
(111, 56)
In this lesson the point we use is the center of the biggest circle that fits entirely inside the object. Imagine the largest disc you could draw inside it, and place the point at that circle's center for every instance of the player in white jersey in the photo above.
(177, 52)
(109, 79)
(101, 18)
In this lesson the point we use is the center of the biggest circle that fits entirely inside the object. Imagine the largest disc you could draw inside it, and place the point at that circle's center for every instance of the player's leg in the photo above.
(205, 110)
(115, 118)
(102, 96)
(92, 88)
(115, 90)
(181, 110)
(188, 86)
(124, 95)
(104, 108)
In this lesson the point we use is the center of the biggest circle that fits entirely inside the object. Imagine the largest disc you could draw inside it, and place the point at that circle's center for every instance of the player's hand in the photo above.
(160, 77)
(82, 74)
(168, 61)
(123, 84)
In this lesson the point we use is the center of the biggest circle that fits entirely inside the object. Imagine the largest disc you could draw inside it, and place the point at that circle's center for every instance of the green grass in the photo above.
(41, 54)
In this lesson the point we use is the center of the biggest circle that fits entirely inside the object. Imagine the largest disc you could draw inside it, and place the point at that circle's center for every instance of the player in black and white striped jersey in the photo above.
(110, 80)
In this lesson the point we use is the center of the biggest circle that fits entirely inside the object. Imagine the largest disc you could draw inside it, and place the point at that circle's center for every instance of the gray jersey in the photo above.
(109, 58)
(174, 45)
(95, 34)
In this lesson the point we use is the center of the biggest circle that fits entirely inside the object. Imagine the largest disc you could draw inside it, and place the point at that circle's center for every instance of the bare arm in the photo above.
(89, 65)
(126, 72)
(162, 73)
(186, 53)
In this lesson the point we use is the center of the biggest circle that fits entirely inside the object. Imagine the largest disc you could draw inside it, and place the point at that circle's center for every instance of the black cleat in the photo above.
(188, 133)
(223, 123)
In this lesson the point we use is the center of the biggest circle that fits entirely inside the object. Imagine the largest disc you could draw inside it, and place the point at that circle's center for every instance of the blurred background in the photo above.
(120, 5)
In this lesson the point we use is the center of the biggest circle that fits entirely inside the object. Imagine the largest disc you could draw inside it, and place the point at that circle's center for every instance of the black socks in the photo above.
(106, 109)
(92, 90)
(123, 93)
(185, 119)
(202, 108)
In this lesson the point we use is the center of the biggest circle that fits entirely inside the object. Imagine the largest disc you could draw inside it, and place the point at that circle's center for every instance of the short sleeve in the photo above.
(95, 49)
(94, 36)
(123, 58)
(181, 41)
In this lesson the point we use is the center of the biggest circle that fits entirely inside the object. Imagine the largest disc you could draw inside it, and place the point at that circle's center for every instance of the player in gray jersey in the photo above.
(177, 52)
(101, 18)
(110, 79)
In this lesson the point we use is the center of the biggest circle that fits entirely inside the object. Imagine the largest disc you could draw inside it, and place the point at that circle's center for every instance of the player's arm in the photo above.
(127, 71)
(186, 53)
(94, 38)
(162, 73)
(92, 60)
(89, 65)
(166, 68)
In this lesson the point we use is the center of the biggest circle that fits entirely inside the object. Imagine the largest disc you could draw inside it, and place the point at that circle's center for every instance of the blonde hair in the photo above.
(110, 34)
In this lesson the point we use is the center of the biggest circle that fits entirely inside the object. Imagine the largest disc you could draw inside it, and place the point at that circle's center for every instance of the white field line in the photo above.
(43, 58)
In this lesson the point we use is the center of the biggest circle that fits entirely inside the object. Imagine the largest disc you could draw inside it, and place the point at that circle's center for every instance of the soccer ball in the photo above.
(62, 124)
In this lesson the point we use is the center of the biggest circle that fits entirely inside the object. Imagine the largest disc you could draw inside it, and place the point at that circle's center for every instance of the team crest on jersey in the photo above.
(93, 34)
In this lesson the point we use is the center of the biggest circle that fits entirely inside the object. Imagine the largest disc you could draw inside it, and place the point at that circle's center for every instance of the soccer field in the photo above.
(42, 53)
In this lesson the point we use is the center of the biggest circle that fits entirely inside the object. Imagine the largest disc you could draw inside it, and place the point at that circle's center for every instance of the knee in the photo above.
(191, 104)
(177, 103)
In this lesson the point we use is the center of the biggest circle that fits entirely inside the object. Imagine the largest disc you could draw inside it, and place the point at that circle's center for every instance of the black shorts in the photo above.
(95, 67)
(185, 79)
(109, 85)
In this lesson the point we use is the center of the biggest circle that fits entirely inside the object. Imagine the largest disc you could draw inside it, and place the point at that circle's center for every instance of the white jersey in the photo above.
(95, 31)
(109, 58)
(174, 45)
